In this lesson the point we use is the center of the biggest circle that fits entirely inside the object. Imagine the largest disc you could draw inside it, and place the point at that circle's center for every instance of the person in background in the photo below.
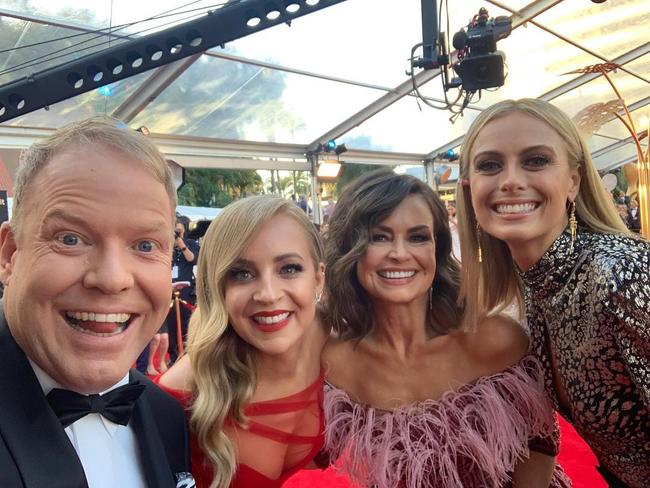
(412, 399)
(453, 228)
(303, 204)
(621, 197)
(184, 258)
(634, 217)
(86, 286)
(252, 378)
(535, 220)
(623, 212)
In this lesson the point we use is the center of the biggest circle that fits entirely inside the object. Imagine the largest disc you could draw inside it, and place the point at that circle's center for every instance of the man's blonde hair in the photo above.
(100, 130)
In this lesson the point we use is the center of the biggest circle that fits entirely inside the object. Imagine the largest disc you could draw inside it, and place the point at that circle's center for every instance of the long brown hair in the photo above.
(364, 203)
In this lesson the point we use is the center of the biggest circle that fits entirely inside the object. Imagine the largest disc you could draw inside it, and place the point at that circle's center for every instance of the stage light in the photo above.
(328, 170)
(105, 90)
(340, 149)
(449, 155)
(330, 145)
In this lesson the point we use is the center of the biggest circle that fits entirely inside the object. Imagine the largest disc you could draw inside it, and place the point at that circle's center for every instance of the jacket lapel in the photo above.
(152, 450)
(40, 447)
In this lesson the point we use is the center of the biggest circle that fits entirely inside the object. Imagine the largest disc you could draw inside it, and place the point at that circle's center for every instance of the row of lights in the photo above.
(273, 11)
(134, 59)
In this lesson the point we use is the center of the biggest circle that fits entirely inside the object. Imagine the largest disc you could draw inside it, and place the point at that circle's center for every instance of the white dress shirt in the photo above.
(109, 452)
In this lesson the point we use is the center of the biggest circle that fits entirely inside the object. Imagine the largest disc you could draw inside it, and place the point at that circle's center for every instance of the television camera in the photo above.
(480, 64)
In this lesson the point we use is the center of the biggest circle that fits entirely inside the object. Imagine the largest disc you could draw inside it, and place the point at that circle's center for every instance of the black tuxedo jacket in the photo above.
(35, 451)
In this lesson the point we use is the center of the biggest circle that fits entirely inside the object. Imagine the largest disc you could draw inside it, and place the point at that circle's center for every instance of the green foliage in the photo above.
(353, 171)
(217, 187)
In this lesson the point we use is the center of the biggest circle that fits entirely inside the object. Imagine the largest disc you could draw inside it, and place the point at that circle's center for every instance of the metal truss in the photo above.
(141, 54)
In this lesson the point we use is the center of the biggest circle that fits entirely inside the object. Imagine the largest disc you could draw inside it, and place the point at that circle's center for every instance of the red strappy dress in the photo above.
(289, 428)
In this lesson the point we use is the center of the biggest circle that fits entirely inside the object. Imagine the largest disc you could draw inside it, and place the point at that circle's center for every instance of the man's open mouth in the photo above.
(99, 324)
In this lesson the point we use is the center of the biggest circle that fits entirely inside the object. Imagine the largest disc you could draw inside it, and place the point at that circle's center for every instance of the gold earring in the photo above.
(318, 298)
(479, 251)
(573, 224)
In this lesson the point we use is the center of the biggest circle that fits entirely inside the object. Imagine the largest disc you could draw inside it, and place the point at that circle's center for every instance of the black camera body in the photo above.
(481, 66)
(177, 233)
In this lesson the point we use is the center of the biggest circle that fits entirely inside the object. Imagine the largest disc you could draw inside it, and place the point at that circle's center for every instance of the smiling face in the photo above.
(400, 262)
(87, 275)
(520, 182)
(271, 289)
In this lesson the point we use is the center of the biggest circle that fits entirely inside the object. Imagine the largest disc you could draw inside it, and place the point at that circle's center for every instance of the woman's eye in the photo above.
(68, 239)
(487, 166)
(291, 269)
(378, 238)
(240, 274)
(537, 161)
(420, 237)
(145, 246)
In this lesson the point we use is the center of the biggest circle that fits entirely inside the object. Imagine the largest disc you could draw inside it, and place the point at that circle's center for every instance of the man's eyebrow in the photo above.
(59, 214)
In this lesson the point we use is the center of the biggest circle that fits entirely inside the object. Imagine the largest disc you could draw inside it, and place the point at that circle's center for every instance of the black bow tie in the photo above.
(116, 405)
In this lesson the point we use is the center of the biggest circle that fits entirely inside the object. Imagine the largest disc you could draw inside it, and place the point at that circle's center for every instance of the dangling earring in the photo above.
(431, 298)
(318, 298)
(573, 224)
(479, 251)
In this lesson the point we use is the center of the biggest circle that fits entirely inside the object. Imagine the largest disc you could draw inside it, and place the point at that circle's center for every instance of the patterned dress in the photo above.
(471, 437)
(589, 313)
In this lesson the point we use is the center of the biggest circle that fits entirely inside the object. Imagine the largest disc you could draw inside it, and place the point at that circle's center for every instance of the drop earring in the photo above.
(318, 298)
(573, 224)
(479, 251)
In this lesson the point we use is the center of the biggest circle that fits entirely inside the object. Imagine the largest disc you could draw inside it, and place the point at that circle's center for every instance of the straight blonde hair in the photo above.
(494, 284)
(223, 364)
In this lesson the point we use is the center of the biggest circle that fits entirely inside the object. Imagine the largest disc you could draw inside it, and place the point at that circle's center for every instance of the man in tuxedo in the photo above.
(85, 263)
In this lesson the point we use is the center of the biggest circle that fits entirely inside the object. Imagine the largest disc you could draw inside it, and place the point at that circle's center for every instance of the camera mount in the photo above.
(479, 65)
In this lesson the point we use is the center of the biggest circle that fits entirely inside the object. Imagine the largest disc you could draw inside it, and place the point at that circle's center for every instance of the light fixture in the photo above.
(328, 170)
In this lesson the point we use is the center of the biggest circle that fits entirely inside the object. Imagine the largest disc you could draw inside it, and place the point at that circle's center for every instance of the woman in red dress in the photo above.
(252, 379)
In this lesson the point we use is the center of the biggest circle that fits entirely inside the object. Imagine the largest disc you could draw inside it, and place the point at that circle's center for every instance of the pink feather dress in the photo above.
(471, 437)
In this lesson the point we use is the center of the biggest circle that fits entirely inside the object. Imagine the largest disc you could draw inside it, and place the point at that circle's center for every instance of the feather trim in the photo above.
(470, 437)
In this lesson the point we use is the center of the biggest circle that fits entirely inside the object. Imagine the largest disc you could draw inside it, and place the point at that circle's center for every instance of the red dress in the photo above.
(291, 428)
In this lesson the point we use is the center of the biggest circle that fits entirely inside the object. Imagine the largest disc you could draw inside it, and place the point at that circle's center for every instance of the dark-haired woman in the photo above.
(411, 398)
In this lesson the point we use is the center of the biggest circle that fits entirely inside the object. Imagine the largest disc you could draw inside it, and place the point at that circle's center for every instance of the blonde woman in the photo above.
(252, 374)
(535, 217)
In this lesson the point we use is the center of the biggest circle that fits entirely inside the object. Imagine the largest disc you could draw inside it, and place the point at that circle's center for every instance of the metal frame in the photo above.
(141, 54)
(192, 151)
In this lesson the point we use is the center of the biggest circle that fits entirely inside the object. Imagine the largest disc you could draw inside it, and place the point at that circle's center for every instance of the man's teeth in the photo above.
(396, 274)
(120, 328)
(517, 208)
(99, 317)
(270, 319)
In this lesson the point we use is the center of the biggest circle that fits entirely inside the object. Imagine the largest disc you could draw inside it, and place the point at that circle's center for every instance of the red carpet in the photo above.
(575, 457)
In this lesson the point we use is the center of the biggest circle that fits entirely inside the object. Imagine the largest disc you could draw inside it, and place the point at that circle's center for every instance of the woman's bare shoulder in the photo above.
(498, 342)
(179, 376)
